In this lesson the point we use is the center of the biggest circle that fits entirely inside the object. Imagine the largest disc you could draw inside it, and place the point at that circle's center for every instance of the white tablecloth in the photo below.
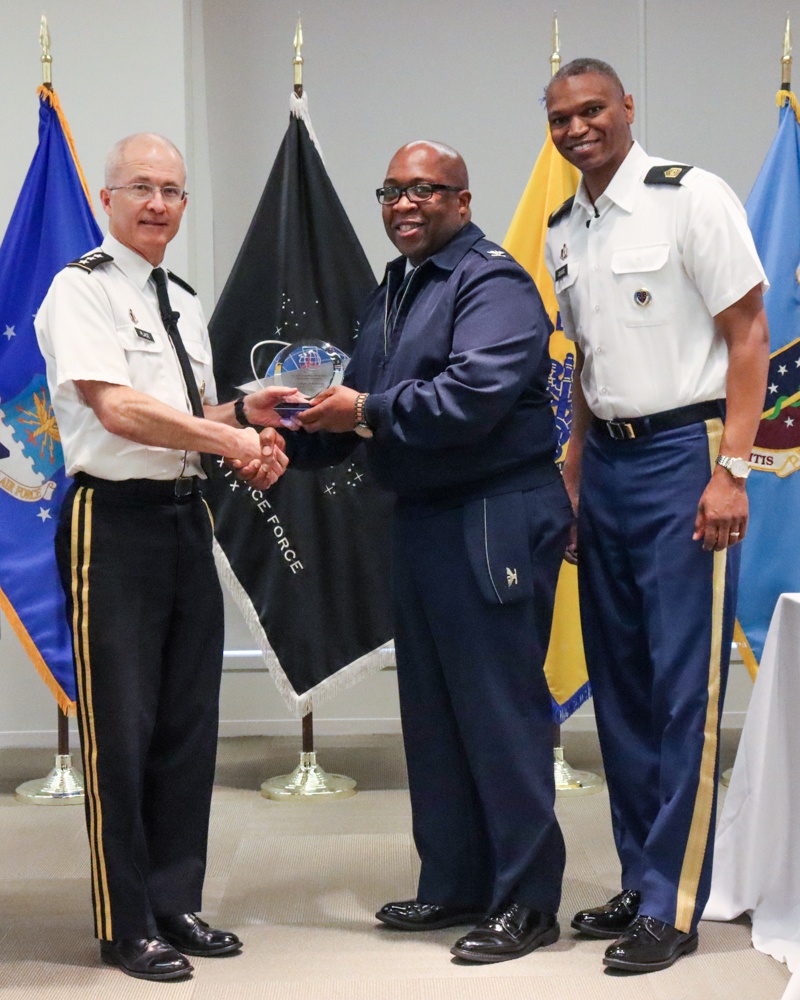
(757, 852)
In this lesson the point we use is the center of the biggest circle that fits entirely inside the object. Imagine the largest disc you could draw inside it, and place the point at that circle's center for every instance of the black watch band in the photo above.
(238, 410)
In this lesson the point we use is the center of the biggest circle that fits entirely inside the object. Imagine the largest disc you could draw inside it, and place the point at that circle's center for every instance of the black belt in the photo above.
(667, 420)
(144, 489)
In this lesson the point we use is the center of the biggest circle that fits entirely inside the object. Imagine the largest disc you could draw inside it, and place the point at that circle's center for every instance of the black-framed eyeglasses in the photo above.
(170, 194)
(414, 192)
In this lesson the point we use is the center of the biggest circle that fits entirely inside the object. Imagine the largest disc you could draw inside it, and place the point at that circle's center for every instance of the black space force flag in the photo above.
(306, 561)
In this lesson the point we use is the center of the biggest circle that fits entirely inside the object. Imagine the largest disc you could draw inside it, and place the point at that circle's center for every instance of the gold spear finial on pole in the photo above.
(297, 62)
(786, 59)
(47, 59)
(555, 58)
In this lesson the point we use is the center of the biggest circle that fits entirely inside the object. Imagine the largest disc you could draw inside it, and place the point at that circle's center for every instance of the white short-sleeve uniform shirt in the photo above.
(104, 325)
(639, 278)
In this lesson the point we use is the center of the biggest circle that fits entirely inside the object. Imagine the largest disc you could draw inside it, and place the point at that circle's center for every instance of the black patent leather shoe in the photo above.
(611, 919)
(410, 915)
(192, 936)
(649, 945)
(145, 958)
(511, 933)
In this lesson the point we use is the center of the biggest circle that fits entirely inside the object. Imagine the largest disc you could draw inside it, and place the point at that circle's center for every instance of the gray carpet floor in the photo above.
(300, 882)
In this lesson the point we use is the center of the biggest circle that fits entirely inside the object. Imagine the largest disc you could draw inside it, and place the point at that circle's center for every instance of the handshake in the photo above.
(263, 459)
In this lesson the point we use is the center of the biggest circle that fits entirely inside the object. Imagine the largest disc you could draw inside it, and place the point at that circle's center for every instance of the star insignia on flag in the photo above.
(9, 332)
(44, 514)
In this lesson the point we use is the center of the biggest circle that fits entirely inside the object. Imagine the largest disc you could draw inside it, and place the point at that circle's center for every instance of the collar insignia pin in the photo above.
(564, 252)
(496, 253)
(642, 297)
(134, 320)
(673, 172)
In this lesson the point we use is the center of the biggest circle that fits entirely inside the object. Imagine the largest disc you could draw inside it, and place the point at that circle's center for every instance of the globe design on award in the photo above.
(310, 366)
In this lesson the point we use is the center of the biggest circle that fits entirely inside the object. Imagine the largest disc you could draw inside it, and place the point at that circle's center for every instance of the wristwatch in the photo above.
(238, 412)
(362, 428)
(738, 467)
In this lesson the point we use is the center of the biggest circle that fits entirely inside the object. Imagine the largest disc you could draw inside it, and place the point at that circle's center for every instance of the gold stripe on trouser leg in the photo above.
(699, 830)
(80, 560)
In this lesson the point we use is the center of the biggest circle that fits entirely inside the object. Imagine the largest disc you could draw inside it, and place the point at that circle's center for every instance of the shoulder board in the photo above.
(667, 173)
(179, 281)
(491, 251)
(560, 212)
(90, 261)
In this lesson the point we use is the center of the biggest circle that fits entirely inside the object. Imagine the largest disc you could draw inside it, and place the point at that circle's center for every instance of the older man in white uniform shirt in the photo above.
(659, 285)
(136, 407)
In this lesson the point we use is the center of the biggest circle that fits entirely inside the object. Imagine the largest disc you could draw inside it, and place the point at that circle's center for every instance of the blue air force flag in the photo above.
(51, 225)
(771, 551)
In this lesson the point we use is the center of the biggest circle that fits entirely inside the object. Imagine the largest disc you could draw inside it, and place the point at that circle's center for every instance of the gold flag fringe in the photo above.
(48, 94)
(786, 96)
(66, 706)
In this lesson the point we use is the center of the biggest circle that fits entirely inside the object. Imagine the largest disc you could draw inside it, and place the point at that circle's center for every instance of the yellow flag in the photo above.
(552, 181)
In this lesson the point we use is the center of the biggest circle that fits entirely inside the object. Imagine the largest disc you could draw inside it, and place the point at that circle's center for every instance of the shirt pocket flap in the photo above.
(137, 338)
(197, 350)
(630, 260)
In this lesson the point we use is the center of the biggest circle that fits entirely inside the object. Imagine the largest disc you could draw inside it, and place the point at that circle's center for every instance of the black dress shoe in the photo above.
(410, 915)
(611, 919)
(649, 945)
(192, 936)
(511, 933)
(145, 958)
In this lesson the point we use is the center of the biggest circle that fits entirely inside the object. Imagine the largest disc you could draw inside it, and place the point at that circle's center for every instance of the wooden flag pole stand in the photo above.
(308, 782)
(63, 786)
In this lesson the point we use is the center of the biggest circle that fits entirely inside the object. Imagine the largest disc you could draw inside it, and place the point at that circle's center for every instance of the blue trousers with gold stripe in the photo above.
(146, 611)
(658, 615)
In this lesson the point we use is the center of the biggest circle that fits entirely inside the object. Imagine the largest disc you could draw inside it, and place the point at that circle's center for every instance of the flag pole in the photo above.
(308, 780)
(568, 781)
(64, 784)
(786, 58)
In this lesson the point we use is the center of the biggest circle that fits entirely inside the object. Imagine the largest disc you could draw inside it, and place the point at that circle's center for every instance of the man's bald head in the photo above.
(451, 160)
(420, 228)
(119, 153)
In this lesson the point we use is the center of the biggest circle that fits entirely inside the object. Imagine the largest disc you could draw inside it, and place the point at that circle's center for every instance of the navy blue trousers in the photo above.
(474, 702)
(145, 607)
(658, 615)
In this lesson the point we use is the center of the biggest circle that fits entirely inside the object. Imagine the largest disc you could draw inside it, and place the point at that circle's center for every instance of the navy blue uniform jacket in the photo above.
(458, 385)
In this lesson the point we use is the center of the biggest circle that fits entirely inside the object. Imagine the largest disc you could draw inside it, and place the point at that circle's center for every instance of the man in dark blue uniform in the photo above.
(448, 384)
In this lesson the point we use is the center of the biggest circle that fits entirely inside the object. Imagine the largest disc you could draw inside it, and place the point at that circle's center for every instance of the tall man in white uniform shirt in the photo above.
(660, 286)
(135, 408)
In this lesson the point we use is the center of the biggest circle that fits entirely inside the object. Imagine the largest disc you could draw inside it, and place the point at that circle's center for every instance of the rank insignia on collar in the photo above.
(511, 577)
(642, 297)
(132, 315)
(495, 253)
(145, 335)
(673, 172)
(564, 252)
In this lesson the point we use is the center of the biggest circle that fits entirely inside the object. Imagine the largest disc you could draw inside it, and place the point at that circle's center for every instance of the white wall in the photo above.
(215, 76)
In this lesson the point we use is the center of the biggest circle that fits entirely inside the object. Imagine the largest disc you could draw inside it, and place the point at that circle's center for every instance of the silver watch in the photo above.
(738, 467)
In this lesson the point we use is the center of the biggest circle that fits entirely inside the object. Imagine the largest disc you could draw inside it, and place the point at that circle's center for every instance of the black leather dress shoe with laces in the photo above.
(192, 936)
(145, 958)
(649, 945)
(611, 919)
(510, 933)
(411, 915)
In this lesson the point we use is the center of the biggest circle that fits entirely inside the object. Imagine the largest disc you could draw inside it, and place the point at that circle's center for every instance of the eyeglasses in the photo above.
(414, 192)
(170, 194)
